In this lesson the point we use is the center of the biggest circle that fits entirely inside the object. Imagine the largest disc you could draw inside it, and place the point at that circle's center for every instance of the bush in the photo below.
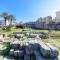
(8, 28)
(19, 26)
(6, 51)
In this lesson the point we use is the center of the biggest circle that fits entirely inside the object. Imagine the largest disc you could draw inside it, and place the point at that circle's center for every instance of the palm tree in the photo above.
(12, 18)
(4, 15)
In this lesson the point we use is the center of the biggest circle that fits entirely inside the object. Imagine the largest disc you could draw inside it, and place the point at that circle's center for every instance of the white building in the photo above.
(48, 19)
(58, 16)
(38, 23)
(39, 19)
(42, 22)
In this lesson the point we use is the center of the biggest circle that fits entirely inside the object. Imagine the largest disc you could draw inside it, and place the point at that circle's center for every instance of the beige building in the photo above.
(58, 16)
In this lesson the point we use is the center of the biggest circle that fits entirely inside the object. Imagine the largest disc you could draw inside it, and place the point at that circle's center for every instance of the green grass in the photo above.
(34, 30)
(52, 31)
(56, 39)
(55, 32)
(12, 30)
(45, 40)
(19, 30)
(30, 30)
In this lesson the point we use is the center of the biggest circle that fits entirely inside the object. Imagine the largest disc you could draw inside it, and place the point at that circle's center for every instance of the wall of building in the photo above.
(46, 22)
(58, 16)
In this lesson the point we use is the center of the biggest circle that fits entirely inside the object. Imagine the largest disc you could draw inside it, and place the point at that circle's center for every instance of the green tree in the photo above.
(4, 15)
(12, 18)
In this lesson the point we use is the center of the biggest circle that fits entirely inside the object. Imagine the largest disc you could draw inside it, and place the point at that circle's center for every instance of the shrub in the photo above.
(8, 28)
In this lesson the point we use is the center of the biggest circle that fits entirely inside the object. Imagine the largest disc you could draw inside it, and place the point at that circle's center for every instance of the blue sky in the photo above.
(30, 10)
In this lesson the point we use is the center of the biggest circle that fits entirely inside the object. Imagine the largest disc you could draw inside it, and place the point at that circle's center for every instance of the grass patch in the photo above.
(56, 39)
(34, 30)
(12, 30)
(45, 40)
(30, 30)
(55, 32)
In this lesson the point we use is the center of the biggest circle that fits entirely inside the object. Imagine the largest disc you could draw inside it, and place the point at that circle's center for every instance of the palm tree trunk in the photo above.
(11, 21)
(5, 21)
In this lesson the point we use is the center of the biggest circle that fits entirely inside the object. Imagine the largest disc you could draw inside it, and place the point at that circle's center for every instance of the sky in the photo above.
(30, 10)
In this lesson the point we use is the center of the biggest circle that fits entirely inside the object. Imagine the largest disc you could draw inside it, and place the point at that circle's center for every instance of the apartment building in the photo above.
(42, 22)
(58, 16)
(46, 22)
